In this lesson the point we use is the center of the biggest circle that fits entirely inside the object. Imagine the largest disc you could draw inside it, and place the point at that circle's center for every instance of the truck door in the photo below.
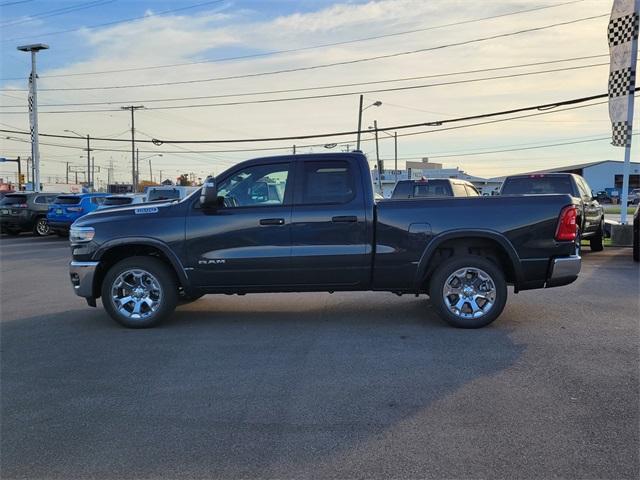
(330, 246)
(591, 210)
(247, 241)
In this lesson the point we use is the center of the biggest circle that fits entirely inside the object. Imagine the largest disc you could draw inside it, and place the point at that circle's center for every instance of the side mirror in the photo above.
(209, 194)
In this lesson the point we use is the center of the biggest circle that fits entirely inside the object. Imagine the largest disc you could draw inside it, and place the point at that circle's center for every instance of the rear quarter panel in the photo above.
(406, 228)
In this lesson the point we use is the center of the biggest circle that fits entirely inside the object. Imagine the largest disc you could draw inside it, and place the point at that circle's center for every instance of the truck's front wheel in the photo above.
(139, 292)
(469, 291)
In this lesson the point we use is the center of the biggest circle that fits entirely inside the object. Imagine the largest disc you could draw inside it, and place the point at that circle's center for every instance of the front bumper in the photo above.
(81, 274)
(564, 270)
(60, 225)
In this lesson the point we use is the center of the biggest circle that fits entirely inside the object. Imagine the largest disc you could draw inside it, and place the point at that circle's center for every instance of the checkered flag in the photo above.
(621, 134)
(623, 29)
(622, 82)
(622, 35)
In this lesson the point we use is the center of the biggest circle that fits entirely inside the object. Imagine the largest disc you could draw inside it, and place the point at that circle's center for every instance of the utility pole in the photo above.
(67, 173)
(137, 169)
(359, 122)
(150, 172)
(395, 150)
(294, 149)
(33, 110)
(89, 172)
(92, 179)
(375, 127)
(133, 108)
(110, 172)
(160, 177)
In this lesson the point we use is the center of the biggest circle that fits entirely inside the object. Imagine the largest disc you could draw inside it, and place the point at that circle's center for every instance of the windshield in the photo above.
(537, 185)
(117, 201)
(422, 189)
(67, 200)
(168, 194)
(14, 199)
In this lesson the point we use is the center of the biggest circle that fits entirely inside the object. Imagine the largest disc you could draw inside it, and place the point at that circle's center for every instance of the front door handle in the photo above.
(272, 221)
(344, 218)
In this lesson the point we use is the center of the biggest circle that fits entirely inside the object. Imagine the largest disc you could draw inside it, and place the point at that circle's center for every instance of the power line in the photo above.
(316, 97)
(544, 108)
(312, 47)
(56, 12)
(322, 87)
(326, 65)
(117, 22)
(6, 4)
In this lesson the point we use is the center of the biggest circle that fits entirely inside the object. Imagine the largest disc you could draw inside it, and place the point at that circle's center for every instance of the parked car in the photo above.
(634, 197)
(66, 209)
(325, 234)
(603, 197)
(590, 212)
(434, 187)
(636, 234)
(120, 200)
(26, 212)
(168, 192)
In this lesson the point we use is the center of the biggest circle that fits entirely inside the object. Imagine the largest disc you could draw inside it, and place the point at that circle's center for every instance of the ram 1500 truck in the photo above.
(310, 223)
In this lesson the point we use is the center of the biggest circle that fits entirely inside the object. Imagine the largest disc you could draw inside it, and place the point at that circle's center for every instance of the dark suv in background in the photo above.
(26, 212)
(590, 213)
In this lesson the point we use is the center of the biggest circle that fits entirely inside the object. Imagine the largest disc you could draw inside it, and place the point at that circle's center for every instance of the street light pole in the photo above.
(375, 126)
(33, 111)
(377, 103)
(395, 149)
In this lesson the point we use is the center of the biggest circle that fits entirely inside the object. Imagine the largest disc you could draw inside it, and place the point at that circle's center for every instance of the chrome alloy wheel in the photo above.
(136, 294)
(469, 293)
(42, 227)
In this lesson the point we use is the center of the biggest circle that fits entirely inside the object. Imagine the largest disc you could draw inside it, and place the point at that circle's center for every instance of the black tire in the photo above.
(453, 264)
(162, 275)
(595, 242)
(41, 227)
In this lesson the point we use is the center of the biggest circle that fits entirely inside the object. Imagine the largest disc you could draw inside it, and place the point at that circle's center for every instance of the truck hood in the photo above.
(123, 212)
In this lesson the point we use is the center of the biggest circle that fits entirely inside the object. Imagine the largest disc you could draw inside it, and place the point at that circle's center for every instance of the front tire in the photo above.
(139, 292)
(469, 291)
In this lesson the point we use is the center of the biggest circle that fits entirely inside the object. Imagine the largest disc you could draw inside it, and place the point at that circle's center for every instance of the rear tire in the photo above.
(41, 227)
(595, 242)
(139, 292)
(481, 284)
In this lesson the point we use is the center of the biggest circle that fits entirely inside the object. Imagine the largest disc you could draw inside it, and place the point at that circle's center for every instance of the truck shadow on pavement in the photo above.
(256, 386)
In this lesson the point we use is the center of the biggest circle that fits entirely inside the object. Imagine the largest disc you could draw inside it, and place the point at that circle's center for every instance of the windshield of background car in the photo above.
(14, 199)
(117, 201)
(537, 185)
(163, 195)
(67, 200)
(421, 189)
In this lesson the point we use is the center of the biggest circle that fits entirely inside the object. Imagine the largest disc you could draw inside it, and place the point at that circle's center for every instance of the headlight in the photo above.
(81, 234)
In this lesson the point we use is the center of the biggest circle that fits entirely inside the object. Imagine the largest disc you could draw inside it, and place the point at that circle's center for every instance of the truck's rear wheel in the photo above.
(139, 292)
(469, 291)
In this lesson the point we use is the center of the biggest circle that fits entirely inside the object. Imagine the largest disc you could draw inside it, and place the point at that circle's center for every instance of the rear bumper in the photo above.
(81, 275)
(564, 270)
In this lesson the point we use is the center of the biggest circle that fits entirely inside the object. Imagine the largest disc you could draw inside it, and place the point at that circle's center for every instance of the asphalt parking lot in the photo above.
(350, 385)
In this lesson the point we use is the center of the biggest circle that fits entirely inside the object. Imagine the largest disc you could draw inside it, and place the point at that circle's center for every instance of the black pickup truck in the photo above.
(310, 223)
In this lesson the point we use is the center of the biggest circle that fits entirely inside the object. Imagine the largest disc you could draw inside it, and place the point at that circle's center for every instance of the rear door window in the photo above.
(471, 191)
(327, 182)
(14, 199)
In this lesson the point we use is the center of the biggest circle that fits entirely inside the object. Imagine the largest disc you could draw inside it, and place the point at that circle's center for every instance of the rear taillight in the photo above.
(74, 209)
(567, 227)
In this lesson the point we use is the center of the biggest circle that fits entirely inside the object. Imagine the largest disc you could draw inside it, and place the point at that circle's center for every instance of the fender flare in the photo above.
(427, 254)
(151, 242)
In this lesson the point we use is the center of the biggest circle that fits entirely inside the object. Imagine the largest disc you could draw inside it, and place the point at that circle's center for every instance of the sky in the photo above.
(123, 44)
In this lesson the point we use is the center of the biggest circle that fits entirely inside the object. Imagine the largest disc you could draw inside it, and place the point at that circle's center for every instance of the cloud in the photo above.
(183, 38)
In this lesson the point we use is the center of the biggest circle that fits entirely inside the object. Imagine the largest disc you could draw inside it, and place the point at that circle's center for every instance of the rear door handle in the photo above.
(344, 218)
(272, 221)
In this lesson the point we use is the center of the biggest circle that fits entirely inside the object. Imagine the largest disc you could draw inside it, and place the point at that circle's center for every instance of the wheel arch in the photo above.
(471, 241)
(112, 252)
